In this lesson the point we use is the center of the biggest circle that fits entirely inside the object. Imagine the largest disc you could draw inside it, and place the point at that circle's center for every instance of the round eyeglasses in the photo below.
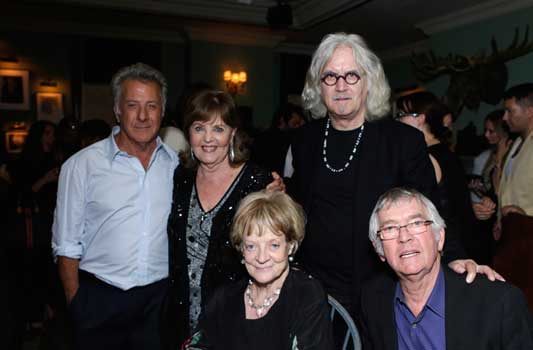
(330, 79)
(393, 231)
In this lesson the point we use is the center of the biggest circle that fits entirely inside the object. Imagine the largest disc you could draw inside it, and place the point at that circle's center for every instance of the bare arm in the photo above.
(68, 273)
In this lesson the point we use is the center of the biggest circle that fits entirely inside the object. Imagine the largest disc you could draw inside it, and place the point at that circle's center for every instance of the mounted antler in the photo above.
(427, 66)
(472, 78)
(514, 50)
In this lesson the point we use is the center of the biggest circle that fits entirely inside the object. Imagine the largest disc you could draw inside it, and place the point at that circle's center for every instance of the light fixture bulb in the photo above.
(227, 75)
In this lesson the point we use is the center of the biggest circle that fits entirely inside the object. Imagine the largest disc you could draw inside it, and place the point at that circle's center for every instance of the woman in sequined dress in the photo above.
(213, 176)
(276, 307)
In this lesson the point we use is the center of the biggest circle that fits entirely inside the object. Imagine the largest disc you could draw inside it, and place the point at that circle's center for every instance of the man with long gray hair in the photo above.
(346, 159)
(427, 306)
(110, 225)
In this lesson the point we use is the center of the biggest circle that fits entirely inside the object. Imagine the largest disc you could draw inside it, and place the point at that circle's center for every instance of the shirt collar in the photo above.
(113, 150)
(436, 300)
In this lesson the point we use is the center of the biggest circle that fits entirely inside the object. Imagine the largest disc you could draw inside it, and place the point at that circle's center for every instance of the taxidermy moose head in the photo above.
(472, 78)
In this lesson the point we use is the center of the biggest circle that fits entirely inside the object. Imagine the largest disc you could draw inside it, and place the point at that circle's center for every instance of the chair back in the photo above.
(351, 330)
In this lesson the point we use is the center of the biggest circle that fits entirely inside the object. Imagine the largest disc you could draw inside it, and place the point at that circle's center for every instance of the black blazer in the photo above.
(390, 154)
(222, 263)
(482, 315)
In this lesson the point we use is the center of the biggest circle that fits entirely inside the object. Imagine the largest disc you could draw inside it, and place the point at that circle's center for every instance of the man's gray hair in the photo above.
(395, 196)
(140, 72)
(378, 96)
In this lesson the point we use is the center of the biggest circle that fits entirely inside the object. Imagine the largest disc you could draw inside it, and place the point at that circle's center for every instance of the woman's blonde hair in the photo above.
(265, 210)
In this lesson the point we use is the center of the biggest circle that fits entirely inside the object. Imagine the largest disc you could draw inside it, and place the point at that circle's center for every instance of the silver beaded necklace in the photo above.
(260, 309)
(354, 150)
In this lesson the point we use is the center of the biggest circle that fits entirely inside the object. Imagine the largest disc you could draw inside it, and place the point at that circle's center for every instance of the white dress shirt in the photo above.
(112, 214)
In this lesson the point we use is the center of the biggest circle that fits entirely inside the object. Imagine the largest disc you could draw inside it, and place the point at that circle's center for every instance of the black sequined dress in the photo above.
(222, 263)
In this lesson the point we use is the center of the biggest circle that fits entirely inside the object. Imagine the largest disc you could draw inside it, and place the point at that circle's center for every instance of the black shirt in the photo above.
(333, 197)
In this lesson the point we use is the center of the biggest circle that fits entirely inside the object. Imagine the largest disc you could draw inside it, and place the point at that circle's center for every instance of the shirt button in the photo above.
(413, 325)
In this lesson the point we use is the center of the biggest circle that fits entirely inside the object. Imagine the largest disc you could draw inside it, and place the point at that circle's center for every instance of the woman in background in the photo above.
(425, 112)
(487, 164)
(34, 177)
(488, 167)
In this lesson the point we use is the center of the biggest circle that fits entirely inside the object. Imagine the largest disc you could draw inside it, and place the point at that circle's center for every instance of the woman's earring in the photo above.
(192, 155)
(231, 152)
(291, 258)
(242, 261)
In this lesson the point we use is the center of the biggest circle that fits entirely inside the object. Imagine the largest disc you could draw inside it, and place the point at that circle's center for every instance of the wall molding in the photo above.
(305, 12)
(104, 31)
(223, 34)
(472, 14)
(235, 12)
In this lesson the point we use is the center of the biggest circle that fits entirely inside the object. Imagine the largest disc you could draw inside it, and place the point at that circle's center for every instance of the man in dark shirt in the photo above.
(427, 306)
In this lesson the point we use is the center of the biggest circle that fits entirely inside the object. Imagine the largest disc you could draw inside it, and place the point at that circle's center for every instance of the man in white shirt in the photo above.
(109, 232)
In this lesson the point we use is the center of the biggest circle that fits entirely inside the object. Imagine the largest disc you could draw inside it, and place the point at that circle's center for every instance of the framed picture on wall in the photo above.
(14, 89)
(50, 106)
(15, 140)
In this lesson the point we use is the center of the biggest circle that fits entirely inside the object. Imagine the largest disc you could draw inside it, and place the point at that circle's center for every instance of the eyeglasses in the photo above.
(402, 114)
(393, 231)
(330, 79)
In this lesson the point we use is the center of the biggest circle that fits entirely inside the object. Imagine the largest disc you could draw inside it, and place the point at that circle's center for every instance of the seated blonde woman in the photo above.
(276, 307)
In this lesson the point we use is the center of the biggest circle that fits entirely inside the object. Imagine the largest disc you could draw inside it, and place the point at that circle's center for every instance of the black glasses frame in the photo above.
(338, 76)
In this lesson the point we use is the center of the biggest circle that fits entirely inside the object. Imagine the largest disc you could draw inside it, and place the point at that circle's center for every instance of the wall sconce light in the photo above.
(235, 82)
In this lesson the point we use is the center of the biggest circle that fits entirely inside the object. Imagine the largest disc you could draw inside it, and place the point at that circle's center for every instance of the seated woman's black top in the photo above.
(299, 319)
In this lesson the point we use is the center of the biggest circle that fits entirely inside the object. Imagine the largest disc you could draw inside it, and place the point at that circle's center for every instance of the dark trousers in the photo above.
(105, 317)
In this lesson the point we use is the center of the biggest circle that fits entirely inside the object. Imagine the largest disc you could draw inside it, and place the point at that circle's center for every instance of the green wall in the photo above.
(470, 40)
(208, 62)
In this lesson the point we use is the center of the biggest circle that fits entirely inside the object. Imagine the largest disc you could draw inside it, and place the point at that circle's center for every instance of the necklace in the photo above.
(260, 309)
(354, 150)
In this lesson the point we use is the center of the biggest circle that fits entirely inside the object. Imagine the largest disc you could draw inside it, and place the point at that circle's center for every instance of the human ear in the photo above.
(440, 243)
(421, 120)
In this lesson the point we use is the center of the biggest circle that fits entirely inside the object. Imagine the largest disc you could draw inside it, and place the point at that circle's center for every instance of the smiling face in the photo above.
(139, 112)
(266, 256)
(344, 102)
(410, 256)
(210, 141)
(491, 134)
